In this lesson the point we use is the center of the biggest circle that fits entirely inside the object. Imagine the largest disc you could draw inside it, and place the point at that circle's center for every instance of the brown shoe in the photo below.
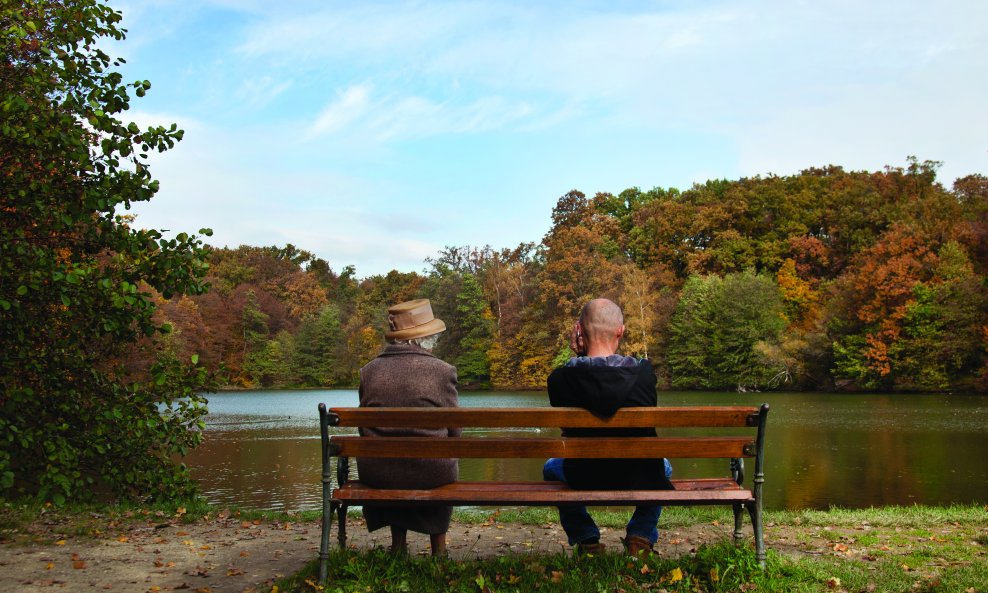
(583, 549)
(636, 546)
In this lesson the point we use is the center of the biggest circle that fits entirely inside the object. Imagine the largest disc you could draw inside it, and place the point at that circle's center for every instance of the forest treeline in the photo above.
(824, 280)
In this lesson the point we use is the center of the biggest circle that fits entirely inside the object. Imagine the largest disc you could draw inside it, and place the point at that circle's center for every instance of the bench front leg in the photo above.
(327, 524)
(326, 419)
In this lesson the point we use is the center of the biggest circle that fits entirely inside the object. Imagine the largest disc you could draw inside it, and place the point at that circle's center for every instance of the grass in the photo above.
(716, 568)
(890, 549)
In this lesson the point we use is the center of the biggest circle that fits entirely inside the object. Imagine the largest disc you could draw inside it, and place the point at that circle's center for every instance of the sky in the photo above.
(374, 134)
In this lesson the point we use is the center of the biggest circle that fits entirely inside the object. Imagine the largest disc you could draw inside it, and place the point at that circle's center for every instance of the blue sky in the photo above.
(374, 134)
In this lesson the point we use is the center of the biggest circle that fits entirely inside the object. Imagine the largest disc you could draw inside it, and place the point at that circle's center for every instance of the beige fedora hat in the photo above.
(412, 319)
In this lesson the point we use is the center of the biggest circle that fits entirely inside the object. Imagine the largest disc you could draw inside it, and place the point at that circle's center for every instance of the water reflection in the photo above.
(261, 449)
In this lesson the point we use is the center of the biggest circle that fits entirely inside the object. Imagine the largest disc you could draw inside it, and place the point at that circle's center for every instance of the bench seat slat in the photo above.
(495, 447)
(713, 417)
(708, 491)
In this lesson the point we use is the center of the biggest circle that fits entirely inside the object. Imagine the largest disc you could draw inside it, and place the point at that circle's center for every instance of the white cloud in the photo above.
(351, 105)
(394, 117)
(261, 91)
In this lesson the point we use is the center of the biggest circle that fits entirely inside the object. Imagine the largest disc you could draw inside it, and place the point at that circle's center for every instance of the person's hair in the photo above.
(601, 316)
(427, 342)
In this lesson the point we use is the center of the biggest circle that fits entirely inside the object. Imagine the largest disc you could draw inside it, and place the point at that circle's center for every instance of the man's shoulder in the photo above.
(597, 363)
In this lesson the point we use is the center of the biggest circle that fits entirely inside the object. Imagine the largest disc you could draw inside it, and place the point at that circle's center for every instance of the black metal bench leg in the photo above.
(341, 536)
(327, 525)
(738, 519)
(756, 523)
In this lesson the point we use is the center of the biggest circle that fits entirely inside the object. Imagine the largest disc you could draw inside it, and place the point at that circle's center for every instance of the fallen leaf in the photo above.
(245, 525)
(234, 572)
(714, 575)
(50, 566)
(840, 548)
(205, 547)
(123, 539)
(60, 542)
(833, 582)
(673, 576)
(154, 588)
(557, 575)
(158, 563)
(645, 569)
(204, 590)
(180, 511)
(244, 554)
(79, 564)
(181, 533)
(76, 556)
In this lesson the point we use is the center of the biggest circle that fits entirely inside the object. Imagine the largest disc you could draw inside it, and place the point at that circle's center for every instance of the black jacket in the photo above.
(603, 390)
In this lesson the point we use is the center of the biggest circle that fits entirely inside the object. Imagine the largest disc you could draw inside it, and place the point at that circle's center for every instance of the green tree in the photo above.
(318, 349)
(473, 364)
(720, 328)
(77, 281)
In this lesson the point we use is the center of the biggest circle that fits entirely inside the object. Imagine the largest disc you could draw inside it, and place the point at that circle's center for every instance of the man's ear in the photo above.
(620, 332)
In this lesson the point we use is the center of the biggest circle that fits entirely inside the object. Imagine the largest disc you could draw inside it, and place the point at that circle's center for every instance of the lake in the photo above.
(261, 448)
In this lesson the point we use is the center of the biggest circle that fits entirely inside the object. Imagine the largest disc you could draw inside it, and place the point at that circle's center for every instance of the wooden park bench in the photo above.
(723, 489)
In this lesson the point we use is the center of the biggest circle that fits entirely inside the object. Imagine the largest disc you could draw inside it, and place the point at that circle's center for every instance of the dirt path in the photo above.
(228, 555)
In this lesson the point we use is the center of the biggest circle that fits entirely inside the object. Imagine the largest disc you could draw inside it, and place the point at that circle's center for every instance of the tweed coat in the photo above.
(408, 375)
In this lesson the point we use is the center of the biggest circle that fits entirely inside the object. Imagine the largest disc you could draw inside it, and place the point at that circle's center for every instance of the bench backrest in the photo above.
(539, 447)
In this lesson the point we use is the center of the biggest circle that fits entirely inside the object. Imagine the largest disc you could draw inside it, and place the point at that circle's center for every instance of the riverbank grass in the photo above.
(908, 549)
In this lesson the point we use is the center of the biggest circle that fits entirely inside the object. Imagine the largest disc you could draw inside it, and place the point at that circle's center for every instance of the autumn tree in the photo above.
(77, 280)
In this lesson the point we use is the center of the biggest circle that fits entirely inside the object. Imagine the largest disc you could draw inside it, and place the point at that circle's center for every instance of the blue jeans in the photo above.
(579, 525)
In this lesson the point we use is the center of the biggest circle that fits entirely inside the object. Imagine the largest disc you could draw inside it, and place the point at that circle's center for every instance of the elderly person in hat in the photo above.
(406, 373)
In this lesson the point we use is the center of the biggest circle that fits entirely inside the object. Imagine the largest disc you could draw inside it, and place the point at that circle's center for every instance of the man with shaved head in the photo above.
(603, 381)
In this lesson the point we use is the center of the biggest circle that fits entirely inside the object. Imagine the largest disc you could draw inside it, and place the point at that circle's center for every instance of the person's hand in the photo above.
(576, 340)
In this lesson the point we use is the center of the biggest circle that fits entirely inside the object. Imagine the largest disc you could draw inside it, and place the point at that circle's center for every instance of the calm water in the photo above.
(261, 449)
